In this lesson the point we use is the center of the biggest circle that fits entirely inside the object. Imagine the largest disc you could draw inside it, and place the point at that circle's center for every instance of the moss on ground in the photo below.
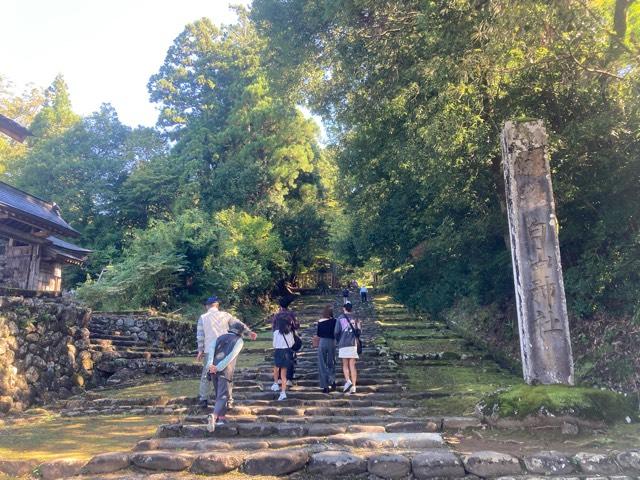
(51, 437)
(423, 346)
(422, 333)
(476, 379)
(171, 389)
(588, 403)
(181, 360)
(465, 385)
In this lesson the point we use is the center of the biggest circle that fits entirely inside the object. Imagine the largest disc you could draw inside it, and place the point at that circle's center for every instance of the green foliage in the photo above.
(232, 253)
(249, 256)
(239, 143)
(56, 115)
(22, 108)
(415, 94)
(521, 401)
(93, 169)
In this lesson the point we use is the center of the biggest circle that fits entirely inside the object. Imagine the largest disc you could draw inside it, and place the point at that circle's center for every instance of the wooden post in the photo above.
(34, 268)
(542, 312)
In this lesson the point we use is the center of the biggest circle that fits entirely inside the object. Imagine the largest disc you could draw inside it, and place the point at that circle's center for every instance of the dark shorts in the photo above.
(282, 357)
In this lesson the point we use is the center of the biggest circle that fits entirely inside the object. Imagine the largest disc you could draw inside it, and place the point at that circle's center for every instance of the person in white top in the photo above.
(211, 325)
(283, 324)
(363, 293)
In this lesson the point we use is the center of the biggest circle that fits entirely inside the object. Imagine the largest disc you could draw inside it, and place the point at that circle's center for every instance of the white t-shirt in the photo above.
(279, 339)
(363, 289)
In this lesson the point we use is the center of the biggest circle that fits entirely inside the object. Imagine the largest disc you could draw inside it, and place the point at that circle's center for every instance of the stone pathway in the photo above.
(385, 430)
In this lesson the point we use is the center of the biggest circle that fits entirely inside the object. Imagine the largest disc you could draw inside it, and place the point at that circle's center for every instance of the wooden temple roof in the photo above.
(26, 208)
(68, 252)
(13, 129)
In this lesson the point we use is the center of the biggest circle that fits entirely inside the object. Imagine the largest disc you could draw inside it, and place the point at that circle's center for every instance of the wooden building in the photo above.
(13, 129)
(31, 254)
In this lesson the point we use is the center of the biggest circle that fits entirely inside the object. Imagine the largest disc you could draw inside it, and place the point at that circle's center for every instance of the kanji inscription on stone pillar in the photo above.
(543, 324)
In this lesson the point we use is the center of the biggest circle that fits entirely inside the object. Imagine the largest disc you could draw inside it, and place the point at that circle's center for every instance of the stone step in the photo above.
(264, 387)
(327, 401)
(132, 410)
(314, 382)
(302, 374)
(288, 429)
(398, 456)
(121, 343)
(371, 440)
(307, 395)
(136, 355)
(390, 422)
(106, 335)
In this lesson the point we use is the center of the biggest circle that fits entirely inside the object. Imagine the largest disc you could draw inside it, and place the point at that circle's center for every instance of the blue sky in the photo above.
(106, 49)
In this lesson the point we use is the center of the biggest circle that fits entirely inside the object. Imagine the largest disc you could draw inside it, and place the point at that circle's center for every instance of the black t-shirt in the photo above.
(326, 327)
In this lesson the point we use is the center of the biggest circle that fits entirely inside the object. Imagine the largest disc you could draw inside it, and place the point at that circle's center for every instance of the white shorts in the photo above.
(348, 352)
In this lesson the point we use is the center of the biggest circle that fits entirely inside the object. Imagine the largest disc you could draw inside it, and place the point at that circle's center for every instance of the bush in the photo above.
(232, 253)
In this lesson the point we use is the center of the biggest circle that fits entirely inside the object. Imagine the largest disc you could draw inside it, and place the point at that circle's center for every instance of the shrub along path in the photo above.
(412, 415)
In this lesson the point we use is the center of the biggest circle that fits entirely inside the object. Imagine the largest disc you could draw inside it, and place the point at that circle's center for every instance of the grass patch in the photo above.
(467, 385)
(249, 360)
(458, 405)
(53, 437)
(403, 334)
(477, 379)
(426, 346)
(181, 360)
(588, 403)
(173, 388)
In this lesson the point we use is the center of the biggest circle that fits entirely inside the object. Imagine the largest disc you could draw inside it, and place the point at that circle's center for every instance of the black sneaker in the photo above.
(203, 404)
(334, 387)
(325, 390)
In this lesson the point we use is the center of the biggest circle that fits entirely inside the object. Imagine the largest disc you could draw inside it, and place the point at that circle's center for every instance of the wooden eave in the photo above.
(22, 235)
(6, 211)
(13, 129)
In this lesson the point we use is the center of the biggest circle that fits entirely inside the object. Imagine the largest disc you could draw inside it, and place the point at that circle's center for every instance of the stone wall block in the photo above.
(596, 463)
(491, 464)
(629, 461)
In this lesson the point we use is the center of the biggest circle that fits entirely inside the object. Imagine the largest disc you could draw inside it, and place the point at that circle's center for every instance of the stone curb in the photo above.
(333, 461)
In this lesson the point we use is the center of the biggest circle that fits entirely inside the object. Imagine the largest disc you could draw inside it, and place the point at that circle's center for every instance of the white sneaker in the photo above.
(283, 396)
(211, 423)
(275, 387)
(347, 386)
(289, 383)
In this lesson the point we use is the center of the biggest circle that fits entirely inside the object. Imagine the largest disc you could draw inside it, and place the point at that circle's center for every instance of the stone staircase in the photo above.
(125, 346)
(130, 345)
(381, 431)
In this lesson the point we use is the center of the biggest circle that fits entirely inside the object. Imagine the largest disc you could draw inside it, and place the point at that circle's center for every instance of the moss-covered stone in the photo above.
(523, 401)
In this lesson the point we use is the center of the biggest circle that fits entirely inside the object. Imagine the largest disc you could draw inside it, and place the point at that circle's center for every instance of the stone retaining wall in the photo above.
(44, 350)
(156, 331)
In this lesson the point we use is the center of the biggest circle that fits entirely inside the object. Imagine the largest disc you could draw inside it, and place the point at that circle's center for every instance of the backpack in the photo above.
(357, 332)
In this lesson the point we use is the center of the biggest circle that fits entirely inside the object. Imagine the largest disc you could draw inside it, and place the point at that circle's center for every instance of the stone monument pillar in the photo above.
(533, 229)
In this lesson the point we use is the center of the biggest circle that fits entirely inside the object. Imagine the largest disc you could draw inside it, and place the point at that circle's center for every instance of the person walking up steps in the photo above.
(288, 316)
(282, 353)
(347, 333)
(327, 350)
(363, 293)
(211, 325)
(221, 365)
(345, 295)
